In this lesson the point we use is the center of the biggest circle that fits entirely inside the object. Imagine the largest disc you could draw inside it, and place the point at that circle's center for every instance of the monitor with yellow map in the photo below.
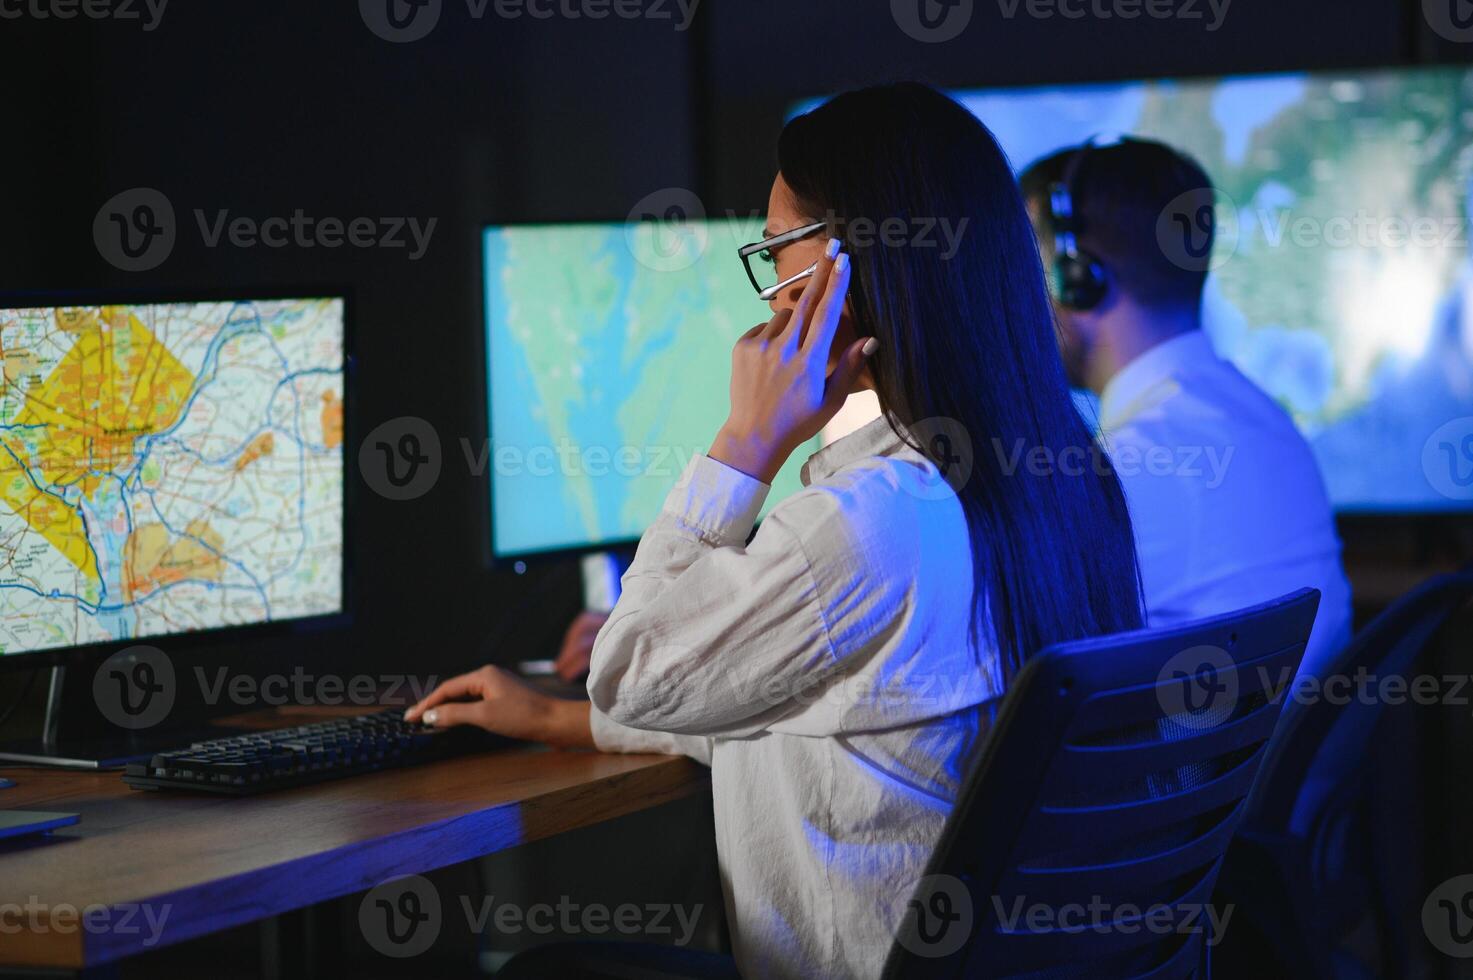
(168, 467)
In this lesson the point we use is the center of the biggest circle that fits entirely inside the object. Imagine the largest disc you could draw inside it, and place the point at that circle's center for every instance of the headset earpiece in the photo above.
(1077, 280)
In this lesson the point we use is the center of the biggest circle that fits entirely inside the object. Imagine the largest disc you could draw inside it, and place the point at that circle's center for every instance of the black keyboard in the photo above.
(259, 762)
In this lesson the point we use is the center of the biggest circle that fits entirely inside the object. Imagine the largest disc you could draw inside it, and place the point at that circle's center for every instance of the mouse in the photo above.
(6, 783)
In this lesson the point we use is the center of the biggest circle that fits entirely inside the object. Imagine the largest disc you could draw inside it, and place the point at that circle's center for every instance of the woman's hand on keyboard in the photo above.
(500, 702)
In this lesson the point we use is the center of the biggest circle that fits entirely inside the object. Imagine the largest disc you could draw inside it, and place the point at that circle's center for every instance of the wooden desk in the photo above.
(218, 862)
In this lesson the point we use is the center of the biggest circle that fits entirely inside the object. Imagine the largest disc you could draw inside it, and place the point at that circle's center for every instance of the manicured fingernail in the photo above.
(832, 249)
(870, 346)
(841, 263)
(431, 717)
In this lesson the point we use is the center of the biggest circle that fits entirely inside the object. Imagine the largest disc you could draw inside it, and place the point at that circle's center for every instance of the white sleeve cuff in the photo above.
(610, 736)
(721, 504)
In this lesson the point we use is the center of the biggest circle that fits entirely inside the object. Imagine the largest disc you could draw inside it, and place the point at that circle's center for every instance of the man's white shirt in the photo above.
(1228, 504)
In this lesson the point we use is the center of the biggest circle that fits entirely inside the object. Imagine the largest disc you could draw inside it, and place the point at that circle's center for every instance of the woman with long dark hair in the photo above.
(836, 669)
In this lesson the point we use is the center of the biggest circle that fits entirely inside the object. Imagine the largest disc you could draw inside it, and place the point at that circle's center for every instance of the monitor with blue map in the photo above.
(1342, 280)
(168, 468)
(609, 362)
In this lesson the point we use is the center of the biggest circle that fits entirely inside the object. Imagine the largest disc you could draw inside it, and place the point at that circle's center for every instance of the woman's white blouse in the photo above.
(824, 671)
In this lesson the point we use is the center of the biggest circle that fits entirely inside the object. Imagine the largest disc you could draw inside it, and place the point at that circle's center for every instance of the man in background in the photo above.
(1228, 504)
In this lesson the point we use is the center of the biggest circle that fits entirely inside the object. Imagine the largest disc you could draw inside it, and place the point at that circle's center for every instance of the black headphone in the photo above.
(1077, 280)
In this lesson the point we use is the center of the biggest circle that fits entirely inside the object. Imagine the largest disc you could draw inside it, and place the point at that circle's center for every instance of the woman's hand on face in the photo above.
(782, 393)
(502, 703)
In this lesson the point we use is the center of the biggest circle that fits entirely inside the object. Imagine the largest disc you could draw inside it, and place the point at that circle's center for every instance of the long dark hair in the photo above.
(970, 337)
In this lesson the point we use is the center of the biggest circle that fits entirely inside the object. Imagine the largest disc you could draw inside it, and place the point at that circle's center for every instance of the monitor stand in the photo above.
(102, 752)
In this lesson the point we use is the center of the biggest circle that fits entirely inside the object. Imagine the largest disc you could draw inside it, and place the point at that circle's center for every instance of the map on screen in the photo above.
(1341, 281)
(609, 349)
(167, 468)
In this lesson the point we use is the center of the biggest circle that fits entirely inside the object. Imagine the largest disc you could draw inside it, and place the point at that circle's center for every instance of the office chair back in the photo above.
(1090, 830)
(1285, 870)
(1387, 647)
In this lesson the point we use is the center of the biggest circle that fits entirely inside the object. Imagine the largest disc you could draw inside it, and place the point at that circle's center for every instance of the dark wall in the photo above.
(268, 106)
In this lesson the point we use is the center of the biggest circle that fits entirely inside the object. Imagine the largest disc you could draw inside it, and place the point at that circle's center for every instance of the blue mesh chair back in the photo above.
(1089, 834)
(1289, 871)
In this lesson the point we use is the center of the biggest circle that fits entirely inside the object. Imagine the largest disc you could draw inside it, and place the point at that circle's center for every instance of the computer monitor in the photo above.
(167, 467)
(1342, 282)
(609, 363)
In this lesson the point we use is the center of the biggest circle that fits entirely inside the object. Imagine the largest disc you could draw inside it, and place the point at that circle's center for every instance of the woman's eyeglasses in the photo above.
(763, 272)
